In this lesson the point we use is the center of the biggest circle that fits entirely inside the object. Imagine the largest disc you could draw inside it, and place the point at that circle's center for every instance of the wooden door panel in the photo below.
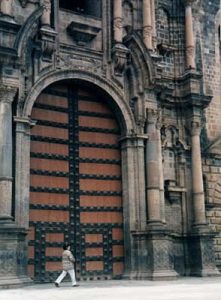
(76, 190)
(49, 148)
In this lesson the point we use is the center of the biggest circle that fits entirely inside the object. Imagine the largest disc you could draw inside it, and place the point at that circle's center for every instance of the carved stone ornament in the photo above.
(48, 43)
(7, 93)
(120, 55)
(195, 128)
(118, 23)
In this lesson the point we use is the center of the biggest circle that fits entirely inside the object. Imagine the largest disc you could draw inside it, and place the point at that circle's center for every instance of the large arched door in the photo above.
(75, 186)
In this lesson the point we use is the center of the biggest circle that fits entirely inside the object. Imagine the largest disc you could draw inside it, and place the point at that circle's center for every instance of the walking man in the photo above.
(68, 267)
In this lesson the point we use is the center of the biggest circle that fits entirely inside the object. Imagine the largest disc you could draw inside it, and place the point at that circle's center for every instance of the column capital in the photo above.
(154, 116)
(7, 93)
(195, 127)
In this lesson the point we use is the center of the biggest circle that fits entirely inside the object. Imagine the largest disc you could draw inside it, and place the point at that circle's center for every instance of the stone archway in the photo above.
(126, 123)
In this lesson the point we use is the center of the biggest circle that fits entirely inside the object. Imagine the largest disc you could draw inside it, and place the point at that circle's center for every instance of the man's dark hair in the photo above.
(65, 246)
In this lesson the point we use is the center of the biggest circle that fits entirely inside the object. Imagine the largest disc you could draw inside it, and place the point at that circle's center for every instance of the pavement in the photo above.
(189, 288)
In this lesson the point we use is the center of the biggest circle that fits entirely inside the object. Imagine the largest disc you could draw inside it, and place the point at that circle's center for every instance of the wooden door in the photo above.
(75, 188)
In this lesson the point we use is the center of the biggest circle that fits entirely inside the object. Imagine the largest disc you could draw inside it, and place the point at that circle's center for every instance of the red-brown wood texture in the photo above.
(41, 213)
(97, 215)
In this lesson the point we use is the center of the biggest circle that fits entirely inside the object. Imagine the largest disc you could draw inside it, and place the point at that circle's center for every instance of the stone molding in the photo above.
(127, 122)
(141, 61)
(120, 56)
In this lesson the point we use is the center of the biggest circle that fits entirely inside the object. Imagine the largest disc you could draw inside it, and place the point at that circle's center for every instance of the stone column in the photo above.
(6, 7)
(147, 24)
(197, 176)
(135, 212)
(7, 95)
(129, 206)
(162, 198)
(13, 246)
(190, 44)
(46, 15)
(200, 241)
(142, 205)
(153, 169)
(154, 34)
(118, 21)
(22, 172)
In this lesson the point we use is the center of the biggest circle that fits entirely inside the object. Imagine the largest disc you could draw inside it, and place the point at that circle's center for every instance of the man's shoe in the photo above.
(56, 284)
(76, 285)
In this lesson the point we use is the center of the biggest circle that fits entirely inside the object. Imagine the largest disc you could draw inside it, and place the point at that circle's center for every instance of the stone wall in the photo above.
(212, 173)
(207, 18)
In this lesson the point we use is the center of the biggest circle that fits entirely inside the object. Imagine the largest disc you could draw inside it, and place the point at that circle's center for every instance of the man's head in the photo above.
(66, 247)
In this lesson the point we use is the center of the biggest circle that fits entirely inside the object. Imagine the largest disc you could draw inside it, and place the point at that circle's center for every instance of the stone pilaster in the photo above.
(7, 95)
(190, 43)
(147, 24)
(153, 157)
(118, 21)
(129, 203)
(22, 170)
(161, 178)
(142, 205)
(135, 211)
(13, 245)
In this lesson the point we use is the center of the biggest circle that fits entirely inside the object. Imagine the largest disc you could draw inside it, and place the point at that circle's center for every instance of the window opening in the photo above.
(86, 7)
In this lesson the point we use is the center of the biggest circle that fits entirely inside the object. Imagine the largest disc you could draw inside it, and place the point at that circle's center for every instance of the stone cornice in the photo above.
(185, 91)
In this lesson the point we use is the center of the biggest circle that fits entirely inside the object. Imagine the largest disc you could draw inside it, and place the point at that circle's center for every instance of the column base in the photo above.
(13, 255)
(201, 253)
(155, 275)
(206, 272)
(163, 275)
(153, 255)
(9, 282)
(136, 275)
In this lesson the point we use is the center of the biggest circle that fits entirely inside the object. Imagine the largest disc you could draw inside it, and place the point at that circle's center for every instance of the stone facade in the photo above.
(160, 64)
